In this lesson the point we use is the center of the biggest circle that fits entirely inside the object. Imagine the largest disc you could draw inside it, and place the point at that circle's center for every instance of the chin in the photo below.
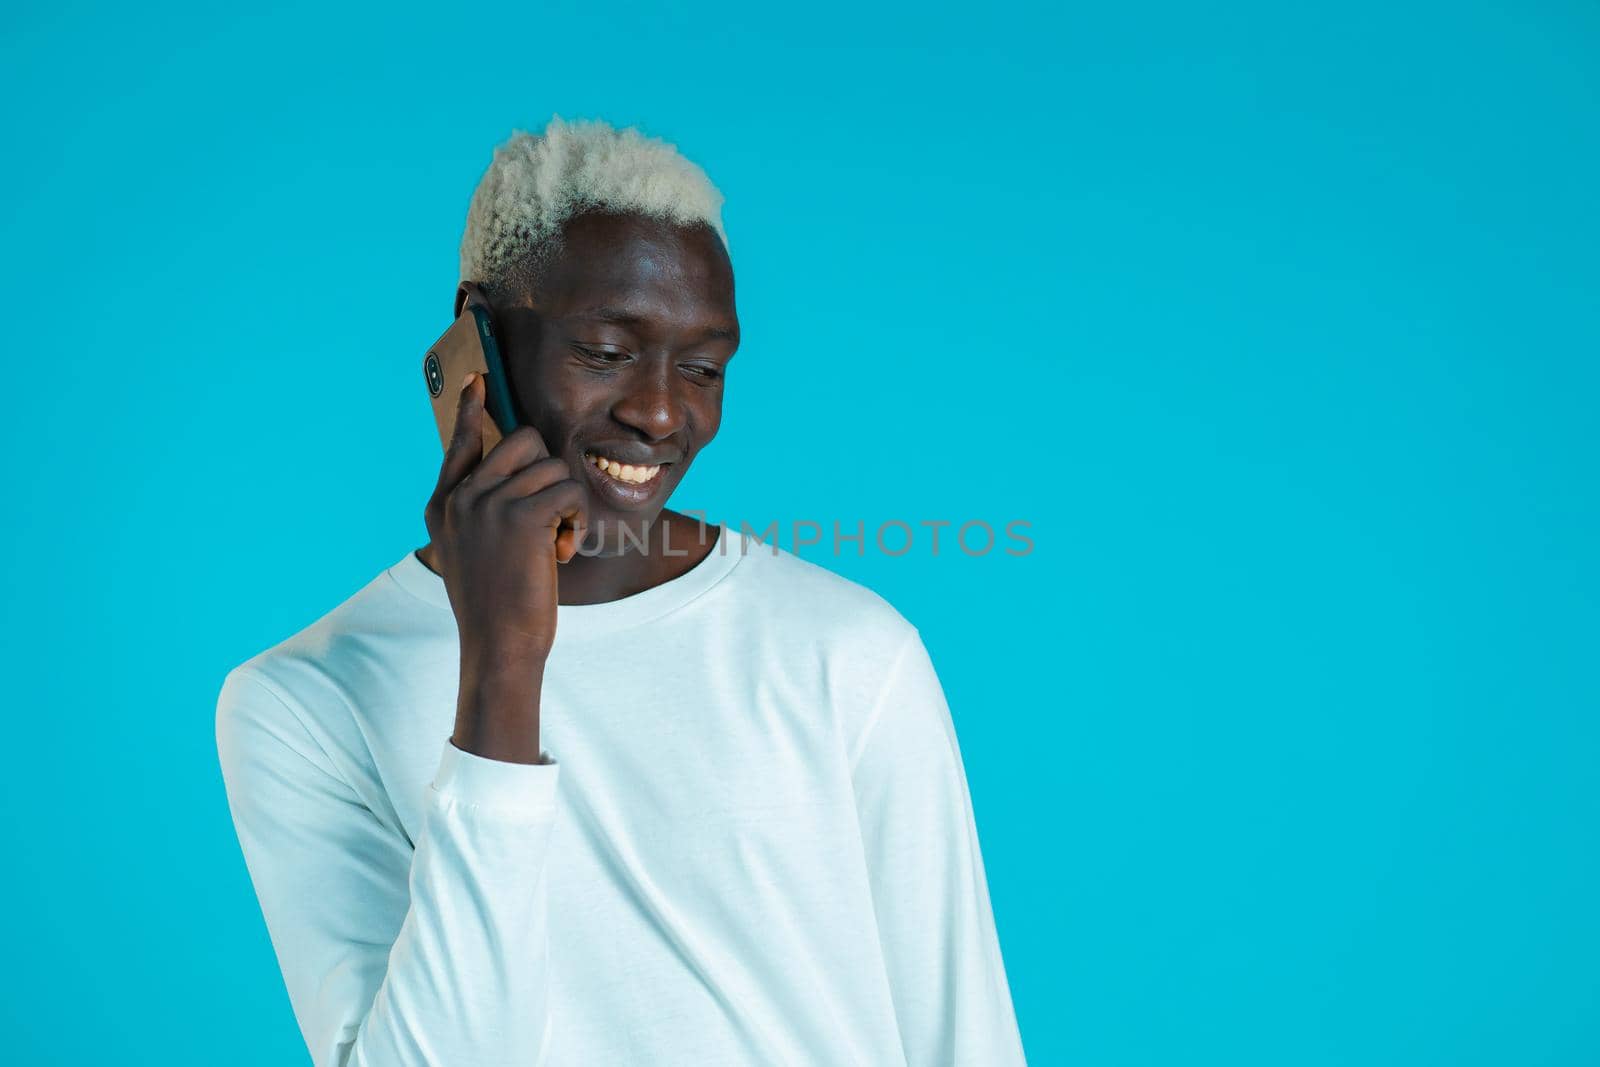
(614, 534)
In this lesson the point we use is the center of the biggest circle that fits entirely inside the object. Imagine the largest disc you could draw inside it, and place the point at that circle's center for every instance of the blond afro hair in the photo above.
(537, 182)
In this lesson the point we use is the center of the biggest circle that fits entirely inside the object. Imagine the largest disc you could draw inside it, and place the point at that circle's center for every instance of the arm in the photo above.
(394, 957)
(939, 944)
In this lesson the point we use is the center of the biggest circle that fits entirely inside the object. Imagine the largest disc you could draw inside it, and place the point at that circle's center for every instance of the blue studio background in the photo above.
(1279, 325)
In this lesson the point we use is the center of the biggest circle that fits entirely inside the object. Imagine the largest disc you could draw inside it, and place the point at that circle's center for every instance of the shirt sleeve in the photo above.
(394, 955)
(951, 997)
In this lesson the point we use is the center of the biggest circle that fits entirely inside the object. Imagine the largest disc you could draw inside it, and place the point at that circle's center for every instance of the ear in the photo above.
(469, 293)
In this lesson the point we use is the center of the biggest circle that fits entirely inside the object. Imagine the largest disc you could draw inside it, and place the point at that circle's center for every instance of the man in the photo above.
(584, 780)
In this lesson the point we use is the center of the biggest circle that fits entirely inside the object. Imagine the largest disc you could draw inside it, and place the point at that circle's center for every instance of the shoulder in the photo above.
(844, 646)
(811, 602)
(818, 632)
(300, 690)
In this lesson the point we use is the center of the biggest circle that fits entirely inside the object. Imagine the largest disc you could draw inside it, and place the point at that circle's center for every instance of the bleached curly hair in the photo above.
(537, 182)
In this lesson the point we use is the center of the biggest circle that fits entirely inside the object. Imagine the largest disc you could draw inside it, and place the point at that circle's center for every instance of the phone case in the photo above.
(468, 345)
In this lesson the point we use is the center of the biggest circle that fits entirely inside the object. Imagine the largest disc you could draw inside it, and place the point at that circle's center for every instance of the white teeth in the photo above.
(625, 472)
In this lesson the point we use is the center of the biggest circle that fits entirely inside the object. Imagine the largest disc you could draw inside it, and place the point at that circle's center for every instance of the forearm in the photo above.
(395, 953)
(467, 976)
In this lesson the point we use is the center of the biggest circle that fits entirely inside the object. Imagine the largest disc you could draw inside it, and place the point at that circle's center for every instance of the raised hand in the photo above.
(499, 528)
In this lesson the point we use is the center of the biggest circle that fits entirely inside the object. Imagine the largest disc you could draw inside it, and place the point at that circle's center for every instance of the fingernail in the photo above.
(471, 374)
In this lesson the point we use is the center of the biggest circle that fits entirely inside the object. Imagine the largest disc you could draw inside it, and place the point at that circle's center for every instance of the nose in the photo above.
(650, 403)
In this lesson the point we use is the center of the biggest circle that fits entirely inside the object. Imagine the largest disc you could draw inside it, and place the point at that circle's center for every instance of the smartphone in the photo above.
(469, 345)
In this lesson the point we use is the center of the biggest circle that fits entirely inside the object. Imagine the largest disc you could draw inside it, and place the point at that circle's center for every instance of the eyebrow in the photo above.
(606, 313)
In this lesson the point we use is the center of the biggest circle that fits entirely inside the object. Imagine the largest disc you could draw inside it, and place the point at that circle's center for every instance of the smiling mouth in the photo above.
(626, 473)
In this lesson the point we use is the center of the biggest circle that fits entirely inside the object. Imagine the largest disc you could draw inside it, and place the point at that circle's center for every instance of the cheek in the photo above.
(707, 414)
(551, 404)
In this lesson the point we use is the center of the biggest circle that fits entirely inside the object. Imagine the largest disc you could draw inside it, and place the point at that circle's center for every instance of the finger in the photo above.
(461, 455)
(518, 449)
(537, 475)
(466, 440)
(558, 505)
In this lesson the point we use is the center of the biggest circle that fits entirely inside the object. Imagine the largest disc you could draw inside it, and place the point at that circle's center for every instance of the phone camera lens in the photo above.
(434, 373)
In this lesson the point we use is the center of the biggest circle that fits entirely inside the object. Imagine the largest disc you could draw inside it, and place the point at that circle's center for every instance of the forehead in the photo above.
(661, 271)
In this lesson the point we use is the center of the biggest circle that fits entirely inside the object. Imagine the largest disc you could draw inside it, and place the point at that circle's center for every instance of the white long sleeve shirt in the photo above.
(753, 841)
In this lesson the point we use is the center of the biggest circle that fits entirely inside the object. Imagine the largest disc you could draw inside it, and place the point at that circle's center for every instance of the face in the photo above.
(618, 360)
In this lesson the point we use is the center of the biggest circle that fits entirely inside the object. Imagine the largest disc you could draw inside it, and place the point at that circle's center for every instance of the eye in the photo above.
(602, 356)
(708, 372)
